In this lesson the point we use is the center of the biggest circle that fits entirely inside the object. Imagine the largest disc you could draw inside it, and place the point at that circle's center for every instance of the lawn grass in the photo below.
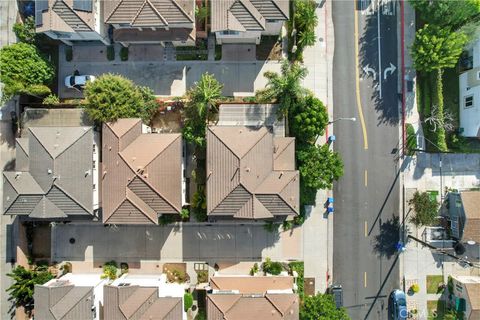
(433, 281)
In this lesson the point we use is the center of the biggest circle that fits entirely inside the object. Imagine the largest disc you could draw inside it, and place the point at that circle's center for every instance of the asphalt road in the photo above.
(367, 196)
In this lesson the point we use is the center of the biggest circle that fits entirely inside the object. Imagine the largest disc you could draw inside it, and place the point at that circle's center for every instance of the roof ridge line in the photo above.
(216, 136)
(292, 140)
(140, 287)
(136, 206)
(113, 131)
(153, 8)
(40, 142)
(183, 11)
(273, 304)
(111, 14)
(78, 301)
(239, 184)
(81, 136)
(67, 194)
(262, 24)
(168, 145)
(280, 10)
(72, 11)
(278, 193)
(146, 182)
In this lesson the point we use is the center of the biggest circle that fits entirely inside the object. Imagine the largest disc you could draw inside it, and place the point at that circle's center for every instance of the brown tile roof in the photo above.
(141, 176)
(150, 13)
(240, 307)
(247, 284)
(57, 181)
(246, 15)
(135, 302)
(61, 16)
(63, 301)
(471, 206)
(241, 177)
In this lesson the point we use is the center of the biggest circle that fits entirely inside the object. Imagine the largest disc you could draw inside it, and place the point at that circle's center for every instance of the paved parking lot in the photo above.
(227, 242)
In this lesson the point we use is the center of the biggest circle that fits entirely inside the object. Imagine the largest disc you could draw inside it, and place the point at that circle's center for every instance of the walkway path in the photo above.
(318, 227)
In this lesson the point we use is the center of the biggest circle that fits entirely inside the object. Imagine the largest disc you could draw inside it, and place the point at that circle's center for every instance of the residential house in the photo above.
(71, 20)
(470, 96)
(142, 175)
(465, 216)
(246, 297)
(73, 296)
(55, 176)
(251, 174)
(143, 297)
(466, 290)
(245, 21)
(151, 21)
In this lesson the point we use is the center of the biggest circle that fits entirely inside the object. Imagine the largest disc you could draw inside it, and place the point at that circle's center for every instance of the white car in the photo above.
(78, 82)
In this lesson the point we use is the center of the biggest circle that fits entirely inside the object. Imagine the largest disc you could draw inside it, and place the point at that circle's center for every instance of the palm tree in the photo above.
(284, 88)
(21, 291)
(305, 15)
(205, 94)
(306, 38)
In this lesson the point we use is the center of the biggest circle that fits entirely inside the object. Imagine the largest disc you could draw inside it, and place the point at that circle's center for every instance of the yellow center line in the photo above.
(357, 83)
(366, 229)
(365, 279)
(366, 178)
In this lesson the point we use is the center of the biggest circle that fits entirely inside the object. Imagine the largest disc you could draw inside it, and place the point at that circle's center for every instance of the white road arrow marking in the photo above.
(390, 70)
(369, 71)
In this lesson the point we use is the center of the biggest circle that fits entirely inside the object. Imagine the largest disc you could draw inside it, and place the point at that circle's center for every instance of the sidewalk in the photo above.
(318, 227)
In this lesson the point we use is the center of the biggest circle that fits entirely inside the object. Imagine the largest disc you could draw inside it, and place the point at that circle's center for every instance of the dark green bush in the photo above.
(187, 301)
(124, 53)
(111, 53)
(272, 267)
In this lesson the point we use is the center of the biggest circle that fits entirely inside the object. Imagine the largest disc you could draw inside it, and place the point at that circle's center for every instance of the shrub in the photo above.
(110, 270)
(123, 267)
(298, 266)
(202, 276)
(68, 53)
(426, 209)
(287, 225)
(199, 204)
(254, 269)
(51, 99)
(185, 213)
(271, 226)
(272, 267)
(187, 301)
(176, 275)
(415, 288)
(124, 53)
(166, 219)
(111, 53)
(66, 267)
(25, 32)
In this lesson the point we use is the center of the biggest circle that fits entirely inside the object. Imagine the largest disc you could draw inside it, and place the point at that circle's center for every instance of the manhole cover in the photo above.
(72, 240)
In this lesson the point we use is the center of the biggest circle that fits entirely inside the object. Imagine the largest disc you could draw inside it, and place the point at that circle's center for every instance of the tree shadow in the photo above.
(385, 242)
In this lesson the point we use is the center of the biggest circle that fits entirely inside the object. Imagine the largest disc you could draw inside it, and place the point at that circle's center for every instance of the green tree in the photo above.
(284, 88)
(201, 103)
(308, 119)
(187, 301)
(111, 97)
(24, 281)
(25, 32)
(435, 48)
(447, 13)
(321, 307)
(425, 207)
(319, 166)
(24, 71)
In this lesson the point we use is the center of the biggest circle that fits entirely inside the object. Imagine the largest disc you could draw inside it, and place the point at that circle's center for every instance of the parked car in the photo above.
(399, 305)
(337, 292)
(78, 81)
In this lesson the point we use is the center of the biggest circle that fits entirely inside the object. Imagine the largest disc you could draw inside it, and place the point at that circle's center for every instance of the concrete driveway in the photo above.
(188, 242)
(168, 78)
